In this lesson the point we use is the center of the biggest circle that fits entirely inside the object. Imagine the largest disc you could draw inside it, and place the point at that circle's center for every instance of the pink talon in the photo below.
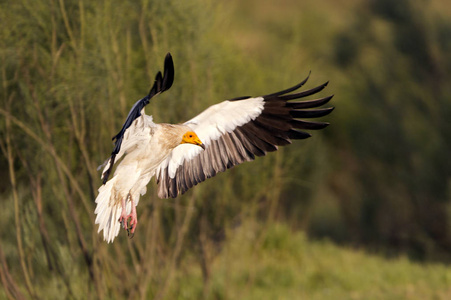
(133, 220)
(130, 226)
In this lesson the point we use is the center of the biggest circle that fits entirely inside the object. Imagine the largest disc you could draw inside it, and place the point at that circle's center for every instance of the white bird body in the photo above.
(145, 146)
(228, 133)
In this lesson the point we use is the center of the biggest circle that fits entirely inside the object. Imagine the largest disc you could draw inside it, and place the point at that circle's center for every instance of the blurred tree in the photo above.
(399, 131)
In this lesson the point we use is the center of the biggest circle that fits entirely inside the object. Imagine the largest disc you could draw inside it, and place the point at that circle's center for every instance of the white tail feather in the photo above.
(108, 211)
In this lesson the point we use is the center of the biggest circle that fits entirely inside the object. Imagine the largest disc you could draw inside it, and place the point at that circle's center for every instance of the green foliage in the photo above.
(379, 177)
(399, 107)
(275, 263)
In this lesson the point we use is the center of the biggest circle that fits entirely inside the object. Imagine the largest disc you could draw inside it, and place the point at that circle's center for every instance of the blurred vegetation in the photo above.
(378, 179)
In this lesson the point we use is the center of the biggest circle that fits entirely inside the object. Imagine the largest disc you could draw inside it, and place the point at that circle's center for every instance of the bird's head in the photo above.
(191, 137)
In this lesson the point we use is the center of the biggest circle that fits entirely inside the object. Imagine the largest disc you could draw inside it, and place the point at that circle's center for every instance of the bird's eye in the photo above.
(190, 135)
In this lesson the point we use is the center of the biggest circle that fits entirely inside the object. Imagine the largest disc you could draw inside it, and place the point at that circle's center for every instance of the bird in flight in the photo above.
(182, 155)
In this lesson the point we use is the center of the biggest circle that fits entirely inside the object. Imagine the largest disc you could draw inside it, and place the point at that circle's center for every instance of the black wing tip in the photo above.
(284, 93)
(163, 82)
(298, 134)
(303, 94)
(306, 78)
(289, 90)
(169, 73)
(310, 113)
(308, 103)
(327, 99)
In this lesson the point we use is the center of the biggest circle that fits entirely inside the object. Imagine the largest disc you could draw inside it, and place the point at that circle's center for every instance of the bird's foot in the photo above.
(123, 220)
(129, 222)
(132, 223)
(129, 225)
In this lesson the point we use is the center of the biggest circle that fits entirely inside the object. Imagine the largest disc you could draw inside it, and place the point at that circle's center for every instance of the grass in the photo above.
(282, 264)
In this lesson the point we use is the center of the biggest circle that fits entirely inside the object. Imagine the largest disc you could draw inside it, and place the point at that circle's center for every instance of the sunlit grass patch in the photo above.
(282, 264)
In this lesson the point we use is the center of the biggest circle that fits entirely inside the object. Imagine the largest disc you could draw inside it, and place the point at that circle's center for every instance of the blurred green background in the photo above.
(359, 211)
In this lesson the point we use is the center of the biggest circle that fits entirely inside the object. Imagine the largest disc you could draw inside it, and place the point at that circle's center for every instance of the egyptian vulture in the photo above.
(183, 155)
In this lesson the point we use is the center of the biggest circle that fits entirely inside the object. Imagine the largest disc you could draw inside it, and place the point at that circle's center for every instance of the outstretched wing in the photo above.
(235, 131)
(161, 84)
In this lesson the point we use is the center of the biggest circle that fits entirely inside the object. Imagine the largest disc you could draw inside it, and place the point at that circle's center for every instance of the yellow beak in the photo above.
(198, 142)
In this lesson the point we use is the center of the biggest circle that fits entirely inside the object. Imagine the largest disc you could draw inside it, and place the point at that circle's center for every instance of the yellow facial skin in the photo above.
(191, 137)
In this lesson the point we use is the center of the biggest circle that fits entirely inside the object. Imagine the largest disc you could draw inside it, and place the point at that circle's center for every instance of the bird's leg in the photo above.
(134, 218)
(123, 217)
